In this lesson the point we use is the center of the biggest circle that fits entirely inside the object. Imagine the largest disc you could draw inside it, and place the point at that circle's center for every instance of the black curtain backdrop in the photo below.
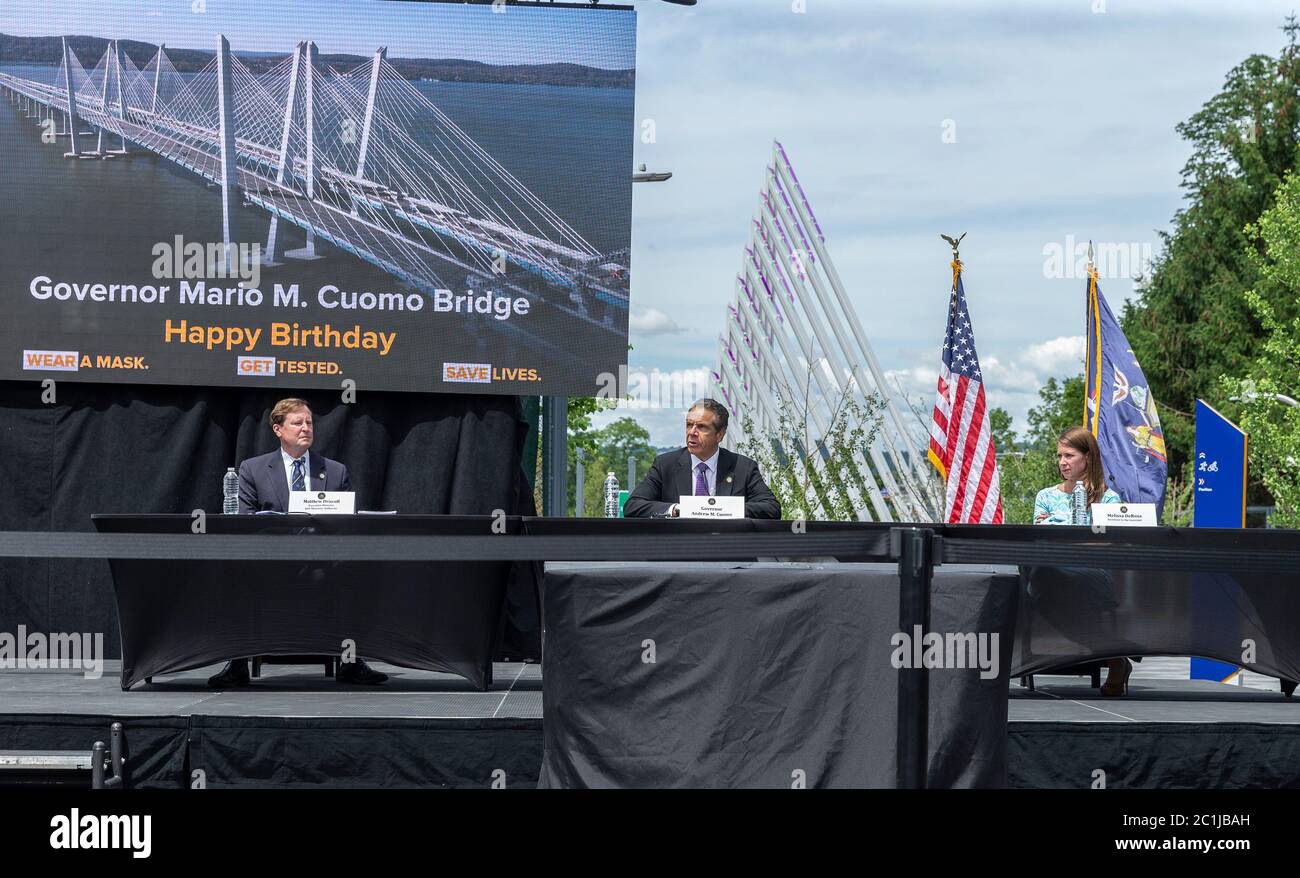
(140, 449)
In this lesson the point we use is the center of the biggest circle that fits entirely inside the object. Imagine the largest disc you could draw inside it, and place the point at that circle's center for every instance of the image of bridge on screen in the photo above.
(359, 158)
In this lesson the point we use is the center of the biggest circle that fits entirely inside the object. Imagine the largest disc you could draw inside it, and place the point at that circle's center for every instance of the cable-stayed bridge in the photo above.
(359, 158)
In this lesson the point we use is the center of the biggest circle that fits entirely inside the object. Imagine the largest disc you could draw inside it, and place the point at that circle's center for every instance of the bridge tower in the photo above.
(103, 98)
(112, 72)
(157, 75)
(226, 132)
(375, 66)
(380, 54)
(121, 92)
(268, 255)
(72, 102)
(309, 127)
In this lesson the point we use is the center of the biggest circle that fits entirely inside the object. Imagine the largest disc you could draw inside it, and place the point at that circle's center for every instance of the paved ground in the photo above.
(281, 691)
(1159, 691)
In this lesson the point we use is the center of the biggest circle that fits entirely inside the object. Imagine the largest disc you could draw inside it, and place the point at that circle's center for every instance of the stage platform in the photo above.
(1168, 732)
(297, 728)
(294, 727)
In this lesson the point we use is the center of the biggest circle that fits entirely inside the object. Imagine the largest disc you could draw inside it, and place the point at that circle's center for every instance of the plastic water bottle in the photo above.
(1081, 504)
(230, 492)
(611, 496)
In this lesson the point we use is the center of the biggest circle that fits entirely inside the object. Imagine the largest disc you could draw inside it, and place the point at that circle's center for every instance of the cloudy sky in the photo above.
(409, 30)
(1061, 116)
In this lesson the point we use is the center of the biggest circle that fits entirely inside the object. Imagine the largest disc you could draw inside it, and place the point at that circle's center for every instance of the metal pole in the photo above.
(98, 753)
(631, 472)
(913, 548)
(845, 362)
(579, 498)
(555, 460)
(768, 307)
(786, 173)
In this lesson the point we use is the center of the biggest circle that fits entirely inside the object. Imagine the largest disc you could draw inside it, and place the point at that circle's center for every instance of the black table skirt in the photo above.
(762, 675)
(178, 615)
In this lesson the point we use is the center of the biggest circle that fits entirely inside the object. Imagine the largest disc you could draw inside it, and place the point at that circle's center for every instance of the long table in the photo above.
(1232, 595)
(176, 614)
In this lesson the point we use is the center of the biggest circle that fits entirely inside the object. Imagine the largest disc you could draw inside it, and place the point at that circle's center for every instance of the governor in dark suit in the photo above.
(264, 485)
(702, 467)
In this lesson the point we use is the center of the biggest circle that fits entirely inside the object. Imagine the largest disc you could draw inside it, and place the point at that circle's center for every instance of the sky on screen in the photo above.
(410, 30)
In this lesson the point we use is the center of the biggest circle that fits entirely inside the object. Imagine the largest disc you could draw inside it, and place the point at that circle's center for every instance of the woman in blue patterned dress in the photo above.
(1078, 459)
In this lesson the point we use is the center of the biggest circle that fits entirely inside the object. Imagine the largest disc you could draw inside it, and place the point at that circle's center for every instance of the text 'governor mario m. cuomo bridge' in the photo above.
(359, 158)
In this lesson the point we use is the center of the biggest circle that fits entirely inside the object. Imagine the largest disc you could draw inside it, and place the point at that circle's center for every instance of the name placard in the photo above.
(323, 502)
(1124, 515)
(710, 507)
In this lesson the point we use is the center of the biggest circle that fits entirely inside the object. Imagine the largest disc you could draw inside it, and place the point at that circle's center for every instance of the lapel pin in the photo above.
(728, 480)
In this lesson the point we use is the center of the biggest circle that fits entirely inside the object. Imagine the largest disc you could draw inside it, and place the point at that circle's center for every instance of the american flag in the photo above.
(960, 445)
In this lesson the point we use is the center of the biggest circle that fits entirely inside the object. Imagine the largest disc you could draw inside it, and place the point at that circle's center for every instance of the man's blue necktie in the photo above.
(298, 483)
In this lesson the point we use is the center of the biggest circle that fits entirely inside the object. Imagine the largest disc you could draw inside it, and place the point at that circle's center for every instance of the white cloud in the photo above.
(1012, 384)
(652, 321)
(1056, 357)
(659, 401)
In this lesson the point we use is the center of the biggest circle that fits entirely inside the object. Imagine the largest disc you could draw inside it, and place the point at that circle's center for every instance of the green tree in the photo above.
(1027, 467)
(817, 477)
(611, 446)
(1004, 438)
(1191, 323)
(578, 412)
(625, 438)
(1060, 407)
(1272, 424)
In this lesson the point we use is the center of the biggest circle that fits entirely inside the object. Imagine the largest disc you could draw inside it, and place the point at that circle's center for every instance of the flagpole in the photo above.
(1087, 312)
(1093, 311)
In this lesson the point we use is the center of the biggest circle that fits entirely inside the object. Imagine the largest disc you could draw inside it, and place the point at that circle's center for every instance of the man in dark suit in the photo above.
(264, 486)
(265, 481)
(702, 467)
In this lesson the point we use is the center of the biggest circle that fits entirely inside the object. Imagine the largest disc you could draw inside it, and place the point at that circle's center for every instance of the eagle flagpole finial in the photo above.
(956, 257)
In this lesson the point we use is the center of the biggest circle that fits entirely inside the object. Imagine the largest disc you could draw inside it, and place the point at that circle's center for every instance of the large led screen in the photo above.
(412, 196)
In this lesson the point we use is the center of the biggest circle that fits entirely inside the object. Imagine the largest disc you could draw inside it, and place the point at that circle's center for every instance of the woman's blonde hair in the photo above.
(1094, 478)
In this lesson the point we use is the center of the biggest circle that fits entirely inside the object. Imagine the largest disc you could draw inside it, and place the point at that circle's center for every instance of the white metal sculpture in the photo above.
(793, 339)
